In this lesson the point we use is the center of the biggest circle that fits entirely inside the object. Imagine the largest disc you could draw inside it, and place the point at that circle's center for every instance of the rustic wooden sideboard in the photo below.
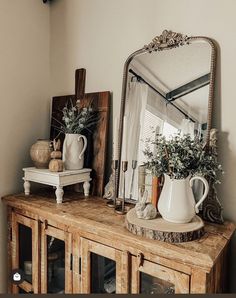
(82, 246)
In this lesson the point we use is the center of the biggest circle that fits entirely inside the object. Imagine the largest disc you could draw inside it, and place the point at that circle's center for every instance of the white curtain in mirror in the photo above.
(187, 128)
(134, 112)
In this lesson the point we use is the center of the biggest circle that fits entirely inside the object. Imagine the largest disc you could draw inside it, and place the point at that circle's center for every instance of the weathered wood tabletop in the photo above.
(92, 218)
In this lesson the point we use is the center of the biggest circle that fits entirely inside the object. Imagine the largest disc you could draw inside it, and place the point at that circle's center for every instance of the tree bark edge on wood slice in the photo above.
(169, 232)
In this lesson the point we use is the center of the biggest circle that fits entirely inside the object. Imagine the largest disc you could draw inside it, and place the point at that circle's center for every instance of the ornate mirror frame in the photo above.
(212, 209)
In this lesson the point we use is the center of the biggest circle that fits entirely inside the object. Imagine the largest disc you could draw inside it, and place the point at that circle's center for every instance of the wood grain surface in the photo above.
(160, 229)
(92, 218)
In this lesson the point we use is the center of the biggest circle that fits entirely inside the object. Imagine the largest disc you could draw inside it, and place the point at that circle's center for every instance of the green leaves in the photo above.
(181, 156)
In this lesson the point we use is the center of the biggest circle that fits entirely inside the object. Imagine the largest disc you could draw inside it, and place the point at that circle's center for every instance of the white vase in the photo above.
(74, 147)
(177, 203)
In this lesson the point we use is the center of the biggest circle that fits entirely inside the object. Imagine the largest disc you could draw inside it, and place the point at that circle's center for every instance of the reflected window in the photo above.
(169, 130)
(153, 125)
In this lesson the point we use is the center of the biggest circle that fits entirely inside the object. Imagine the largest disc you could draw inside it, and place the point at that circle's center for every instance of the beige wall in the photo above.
(25, 94)
(100, 34)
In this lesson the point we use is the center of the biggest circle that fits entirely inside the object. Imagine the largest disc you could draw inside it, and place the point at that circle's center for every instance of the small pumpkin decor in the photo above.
(75, 121)
(181, 160)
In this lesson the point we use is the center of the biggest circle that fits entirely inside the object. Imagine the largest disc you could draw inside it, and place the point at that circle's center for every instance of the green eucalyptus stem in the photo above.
(181, 156)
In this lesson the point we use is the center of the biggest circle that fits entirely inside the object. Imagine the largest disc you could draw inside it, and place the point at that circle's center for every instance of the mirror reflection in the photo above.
(167, 93)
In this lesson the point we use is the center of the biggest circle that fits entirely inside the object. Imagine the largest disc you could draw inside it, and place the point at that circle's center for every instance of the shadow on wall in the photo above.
(110, 145)
(227, 158)
(217, 103)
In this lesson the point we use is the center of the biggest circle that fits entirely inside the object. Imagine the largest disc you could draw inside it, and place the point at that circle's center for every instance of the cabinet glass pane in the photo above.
(55, 265)
(25, 251)
(21, 291)
(153, 285)
(103, 274)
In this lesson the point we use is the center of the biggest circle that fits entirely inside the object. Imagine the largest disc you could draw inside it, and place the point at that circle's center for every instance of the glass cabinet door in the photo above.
(104, 269)
(25, 253)
(151, 278)
(56, 263)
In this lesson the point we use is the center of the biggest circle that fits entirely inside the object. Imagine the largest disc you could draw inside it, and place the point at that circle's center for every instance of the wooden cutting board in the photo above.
(96, 155)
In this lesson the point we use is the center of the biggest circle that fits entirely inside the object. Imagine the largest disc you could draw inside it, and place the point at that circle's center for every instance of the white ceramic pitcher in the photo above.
(177, 203)
(74, 147)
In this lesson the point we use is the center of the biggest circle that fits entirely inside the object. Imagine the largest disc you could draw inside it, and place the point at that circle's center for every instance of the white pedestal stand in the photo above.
(58, 180)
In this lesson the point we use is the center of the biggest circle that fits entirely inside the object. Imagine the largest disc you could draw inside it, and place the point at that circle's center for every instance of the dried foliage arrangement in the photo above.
(181, 156)
(76, 119)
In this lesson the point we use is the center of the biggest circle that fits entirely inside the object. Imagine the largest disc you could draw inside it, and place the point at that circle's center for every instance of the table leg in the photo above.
(27, 187)
(59, 194)
(86, 188)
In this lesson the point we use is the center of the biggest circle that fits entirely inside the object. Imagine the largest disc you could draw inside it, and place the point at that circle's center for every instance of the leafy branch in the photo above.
(76, 119)
(181, 156)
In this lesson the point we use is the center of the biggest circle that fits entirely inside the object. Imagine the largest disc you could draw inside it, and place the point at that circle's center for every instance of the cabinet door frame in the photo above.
(66, 237)
(180, 280)
(120, 257)
(34, 225)
(76, 264)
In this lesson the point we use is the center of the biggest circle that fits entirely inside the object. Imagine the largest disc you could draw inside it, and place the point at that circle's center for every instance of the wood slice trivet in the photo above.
(160, 229)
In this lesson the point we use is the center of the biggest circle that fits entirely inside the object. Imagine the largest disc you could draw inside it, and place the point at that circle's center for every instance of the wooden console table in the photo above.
(82, 246)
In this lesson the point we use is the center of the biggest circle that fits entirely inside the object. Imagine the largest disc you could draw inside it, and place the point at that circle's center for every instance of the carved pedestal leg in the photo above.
(59, 194)
(27, 188)
(86, 188)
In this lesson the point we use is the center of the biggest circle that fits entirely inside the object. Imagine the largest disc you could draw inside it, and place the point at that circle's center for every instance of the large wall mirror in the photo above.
(168, 88)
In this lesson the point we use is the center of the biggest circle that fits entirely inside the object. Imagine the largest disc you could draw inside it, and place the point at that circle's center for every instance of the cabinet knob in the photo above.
(45, 224)
(140, 258)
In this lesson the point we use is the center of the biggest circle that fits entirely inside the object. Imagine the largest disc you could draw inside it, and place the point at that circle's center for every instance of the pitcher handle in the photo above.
(206, 190)
(85, 145)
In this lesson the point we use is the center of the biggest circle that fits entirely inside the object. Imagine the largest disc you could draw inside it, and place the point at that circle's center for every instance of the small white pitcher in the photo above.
(74, 147)
(177, 203)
